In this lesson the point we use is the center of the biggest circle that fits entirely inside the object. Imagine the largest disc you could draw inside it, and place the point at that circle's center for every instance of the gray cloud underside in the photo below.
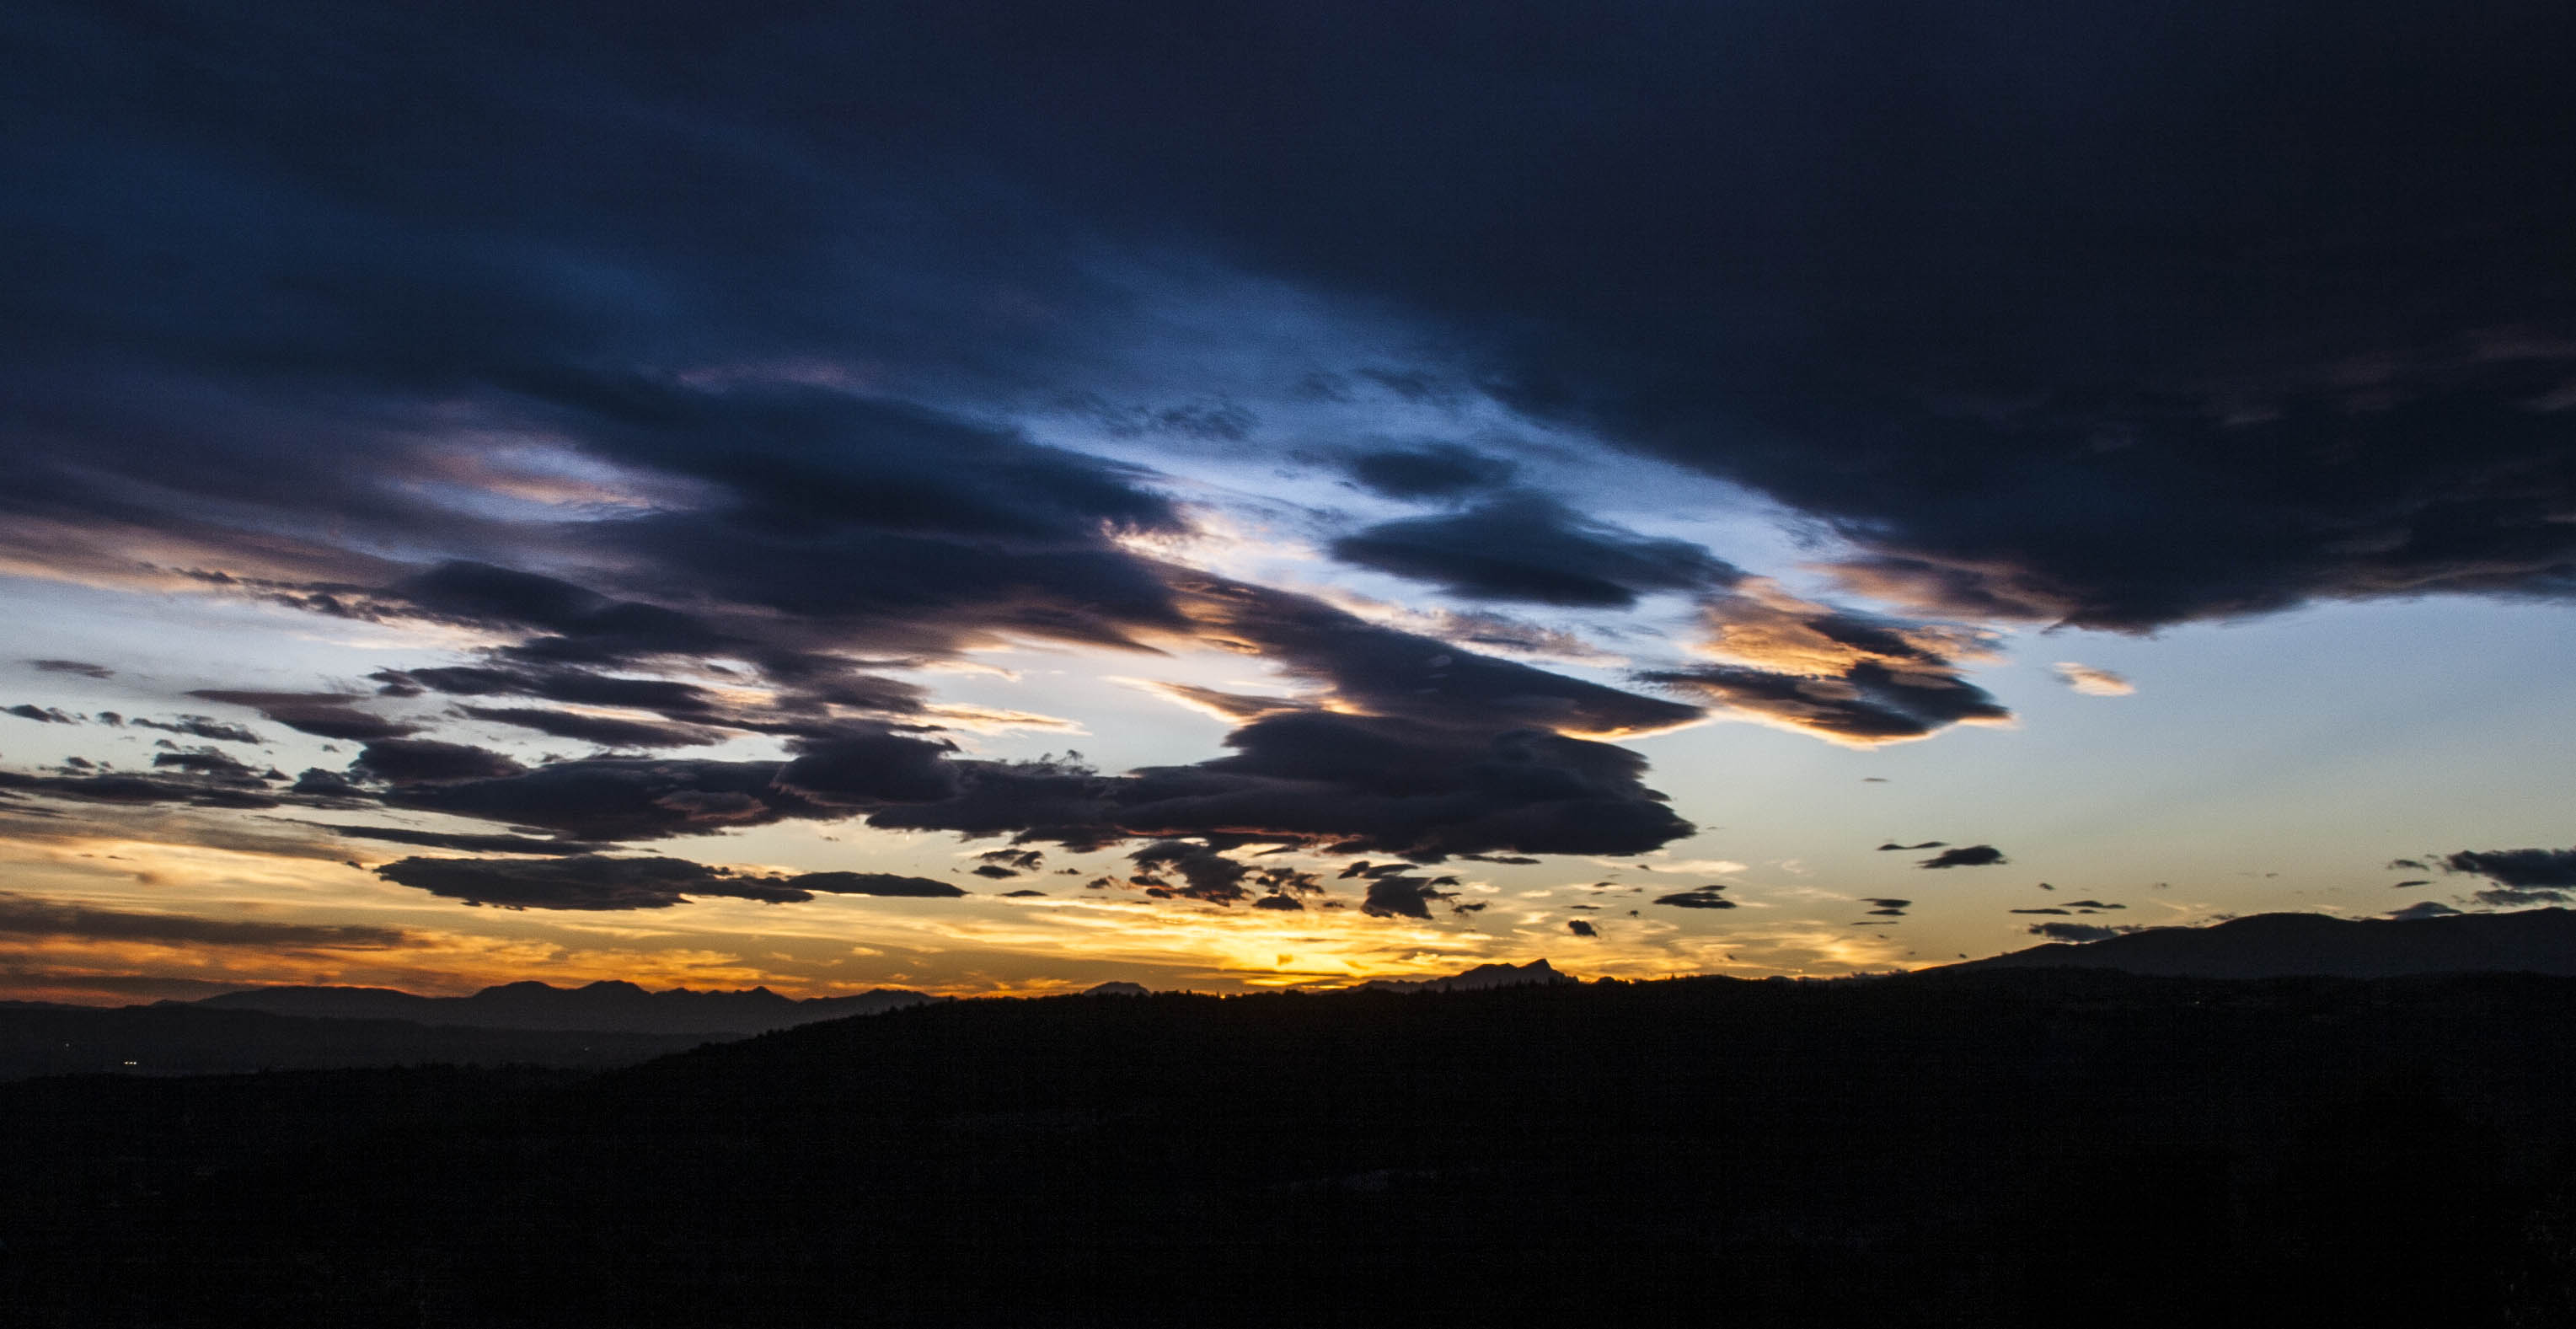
(2527, 868)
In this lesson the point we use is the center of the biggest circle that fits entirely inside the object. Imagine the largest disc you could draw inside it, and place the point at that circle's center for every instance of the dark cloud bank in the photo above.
(589, 881)
(2109, 324)
(2521, 876)
(1349, 783)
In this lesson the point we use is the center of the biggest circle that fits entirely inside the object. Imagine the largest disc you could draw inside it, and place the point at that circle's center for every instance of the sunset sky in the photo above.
(996, 498)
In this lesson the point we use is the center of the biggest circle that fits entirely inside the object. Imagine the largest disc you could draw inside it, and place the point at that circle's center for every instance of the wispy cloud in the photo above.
(2094, 682)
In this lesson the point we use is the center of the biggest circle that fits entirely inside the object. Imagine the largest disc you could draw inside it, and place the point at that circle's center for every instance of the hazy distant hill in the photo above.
(608, 1006)
(176, 1039)
(2538, 941)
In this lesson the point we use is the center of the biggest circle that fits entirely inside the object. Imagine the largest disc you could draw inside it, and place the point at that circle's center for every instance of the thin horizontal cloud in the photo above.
(82, 668)
(597, 882)
(27, 916)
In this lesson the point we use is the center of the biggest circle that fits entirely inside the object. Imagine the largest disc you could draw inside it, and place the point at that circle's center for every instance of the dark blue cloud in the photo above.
(1434, 470)
(1529, 547)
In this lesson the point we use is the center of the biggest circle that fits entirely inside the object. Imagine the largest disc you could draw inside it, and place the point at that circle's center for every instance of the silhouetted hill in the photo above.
(1989, 1148)
(187, 1040)
(1118, 987)
(2536, 941)
(613, 1006)
(1483, 976)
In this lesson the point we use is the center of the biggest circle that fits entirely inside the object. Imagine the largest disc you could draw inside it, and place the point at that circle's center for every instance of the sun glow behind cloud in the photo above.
(1063, 939)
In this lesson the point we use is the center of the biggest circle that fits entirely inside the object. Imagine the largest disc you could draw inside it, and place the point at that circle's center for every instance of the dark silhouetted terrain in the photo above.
(595, 1006)
(2538, 941)
(1972, 1148)
(189, 1040)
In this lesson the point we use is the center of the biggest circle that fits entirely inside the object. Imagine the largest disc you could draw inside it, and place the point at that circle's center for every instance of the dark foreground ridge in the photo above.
(2535, 941)
(2005, 1147)
(187, 1040)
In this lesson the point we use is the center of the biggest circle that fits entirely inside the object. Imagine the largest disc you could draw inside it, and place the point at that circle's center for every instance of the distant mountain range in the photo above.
(612, 1023)
(2537, 941)
(607, 1007)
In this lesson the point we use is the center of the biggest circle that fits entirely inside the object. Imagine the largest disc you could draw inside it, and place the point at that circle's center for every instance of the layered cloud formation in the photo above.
(697, 422)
